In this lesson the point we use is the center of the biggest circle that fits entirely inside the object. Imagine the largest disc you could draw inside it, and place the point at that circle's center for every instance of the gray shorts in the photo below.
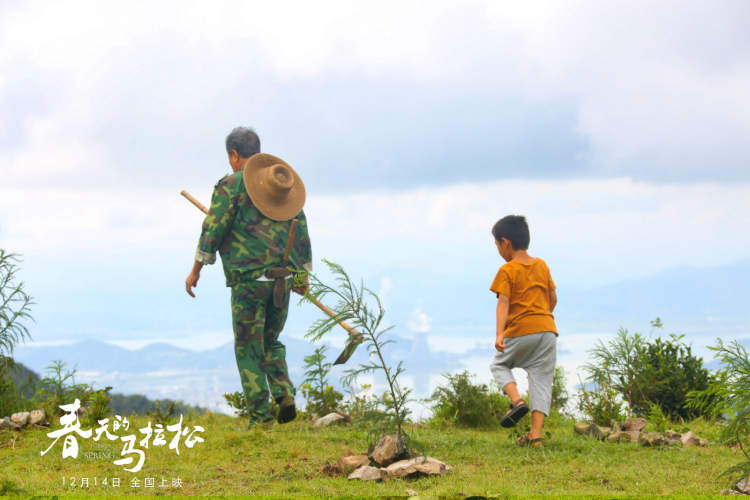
(535, 353)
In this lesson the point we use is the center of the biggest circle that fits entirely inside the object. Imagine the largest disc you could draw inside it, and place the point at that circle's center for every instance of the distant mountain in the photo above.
(200, 378)
(28, 382)
(712, 301)
(24, 379)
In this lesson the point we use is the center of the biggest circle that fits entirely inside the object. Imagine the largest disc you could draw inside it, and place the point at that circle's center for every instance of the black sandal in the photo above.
(516, 413)
(525, 440)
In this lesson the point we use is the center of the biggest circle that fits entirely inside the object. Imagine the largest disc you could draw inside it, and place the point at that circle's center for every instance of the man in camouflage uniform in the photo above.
(250, 243)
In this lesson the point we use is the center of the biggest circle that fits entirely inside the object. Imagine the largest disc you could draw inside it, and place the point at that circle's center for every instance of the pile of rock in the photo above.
(389, 459)
(632, 431)
(741, 488)
(21, 419)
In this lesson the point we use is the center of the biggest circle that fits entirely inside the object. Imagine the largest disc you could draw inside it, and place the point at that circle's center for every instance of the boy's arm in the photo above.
(503, 303)
(552, 300)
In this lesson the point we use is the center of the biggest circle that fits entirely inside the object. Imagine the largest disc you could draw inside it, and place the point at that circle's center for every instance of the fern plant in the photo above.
(362, 308)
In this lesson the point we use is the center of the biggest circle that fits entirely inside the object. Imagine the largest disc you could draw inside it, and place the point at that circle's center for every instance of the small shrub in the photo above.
(728, 398)
(321, 397)
(164, 416)
(601, 405)
(360, 404)
(463, 403)
(646, 373)
(617, 366)
(670, 371)
(238, 402)
(560, 395)
(99, 406)
(59, 388)
(657, 418)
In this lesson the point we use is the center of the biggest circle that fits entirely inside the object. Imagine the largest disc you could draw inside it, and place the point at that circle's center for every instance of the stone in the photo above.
(652, 439)
(37, 417)
(21, 418)
(349, 463)
(581, 428)
(730, 492)
(600, 433)
(7, 423)
(690, 439)
(331, 418)
(388, 449)
(743, 486)
(411, 493)
(670, 434)
(419, 465)
(367, 473)
(634, 435)
(634, 424)
(704, 442)
(623, 437)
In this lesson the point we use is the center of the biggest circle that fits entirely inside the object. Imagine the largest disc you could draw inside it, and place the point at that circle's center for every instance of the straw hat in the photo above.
(273, 186)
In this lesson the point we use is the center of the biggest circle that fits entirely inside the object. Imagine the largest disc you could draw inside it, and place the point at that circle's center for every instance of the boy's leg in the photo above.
(517, 350)
(541, 370)
(248, 320)
(501, 371)
(537, 422)
(274, 364)
(512, 391)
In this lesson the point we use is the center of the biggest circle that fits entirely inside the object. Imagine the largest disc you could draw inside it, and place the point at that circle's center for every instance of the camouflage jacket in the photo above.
(249, 242)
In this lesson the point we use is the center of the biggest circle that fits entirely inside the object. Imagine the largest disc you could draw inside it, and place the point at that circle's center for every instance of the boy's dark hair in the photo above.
(243, 140)
(515, 229)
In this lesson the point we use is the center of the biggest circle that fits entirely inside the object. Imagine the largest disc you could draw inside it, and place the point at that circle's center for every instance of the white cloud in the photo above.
(579, 227)
(419, 322)
(658, 89)
(386, 284)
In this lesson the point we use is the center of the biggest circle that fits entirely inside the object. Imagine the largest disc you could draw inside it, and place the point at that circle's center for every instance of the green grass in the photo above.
(287, 460)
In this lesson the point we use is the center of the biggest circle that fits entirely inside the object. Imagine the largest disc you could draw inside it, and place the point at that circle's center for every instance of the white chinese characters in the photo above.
(130, 453)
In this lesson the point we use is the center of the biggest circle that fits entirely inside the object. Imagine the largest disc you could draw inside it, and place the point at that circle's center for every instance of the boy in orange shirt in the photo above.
(526, 332)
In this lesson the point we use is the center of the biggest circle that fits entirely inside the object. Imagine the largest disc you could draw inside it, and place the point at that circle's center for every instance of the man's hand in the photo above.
(500, 343)
(302, 289)
(191, 281)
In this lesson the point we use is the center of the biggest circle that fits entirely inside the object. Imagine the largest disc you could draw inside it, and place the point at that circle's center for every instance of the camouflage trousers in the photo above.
(261, 358)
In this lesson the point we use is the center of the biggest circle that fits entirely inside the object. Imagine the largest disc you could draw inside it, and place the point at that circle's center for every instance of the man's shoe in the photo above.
(287, 410)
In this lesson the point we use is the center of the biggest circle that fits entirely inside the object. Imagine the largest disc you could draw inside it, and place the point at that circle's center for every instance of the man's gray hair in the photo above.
(243, 140)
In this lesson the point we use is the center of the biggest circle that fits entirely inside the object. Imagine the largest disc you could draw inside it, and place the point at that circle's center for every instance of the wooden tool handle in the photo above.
(332, 314)
(289, 241)
(194, 201)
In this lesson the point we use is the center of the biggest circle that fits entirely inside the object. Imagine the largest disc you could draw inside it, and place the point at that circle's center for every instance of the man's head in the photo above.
(511, 233)
(242, 143)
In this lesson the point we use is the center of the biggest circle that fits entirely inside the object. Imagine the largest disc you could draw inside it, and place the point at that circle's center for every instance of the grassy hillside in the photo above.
(287, 460)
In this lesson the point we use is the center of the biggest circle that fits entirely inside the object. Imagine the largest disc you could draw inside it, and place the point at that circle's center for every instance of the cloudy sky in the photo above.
(620, 129)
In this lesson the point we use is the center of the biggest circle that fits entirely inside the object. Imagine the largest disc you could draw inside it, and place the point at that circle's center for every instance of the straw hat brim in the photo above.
(255, 175)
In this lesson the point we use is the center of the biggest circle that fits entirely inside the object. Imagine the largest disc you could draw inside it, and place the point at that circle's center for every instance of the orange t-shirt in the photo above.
(528, 287)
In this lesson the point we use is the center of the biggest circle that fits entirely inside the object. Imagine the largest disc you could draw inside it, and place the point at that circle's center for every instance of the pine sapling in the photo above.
(363, 309)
